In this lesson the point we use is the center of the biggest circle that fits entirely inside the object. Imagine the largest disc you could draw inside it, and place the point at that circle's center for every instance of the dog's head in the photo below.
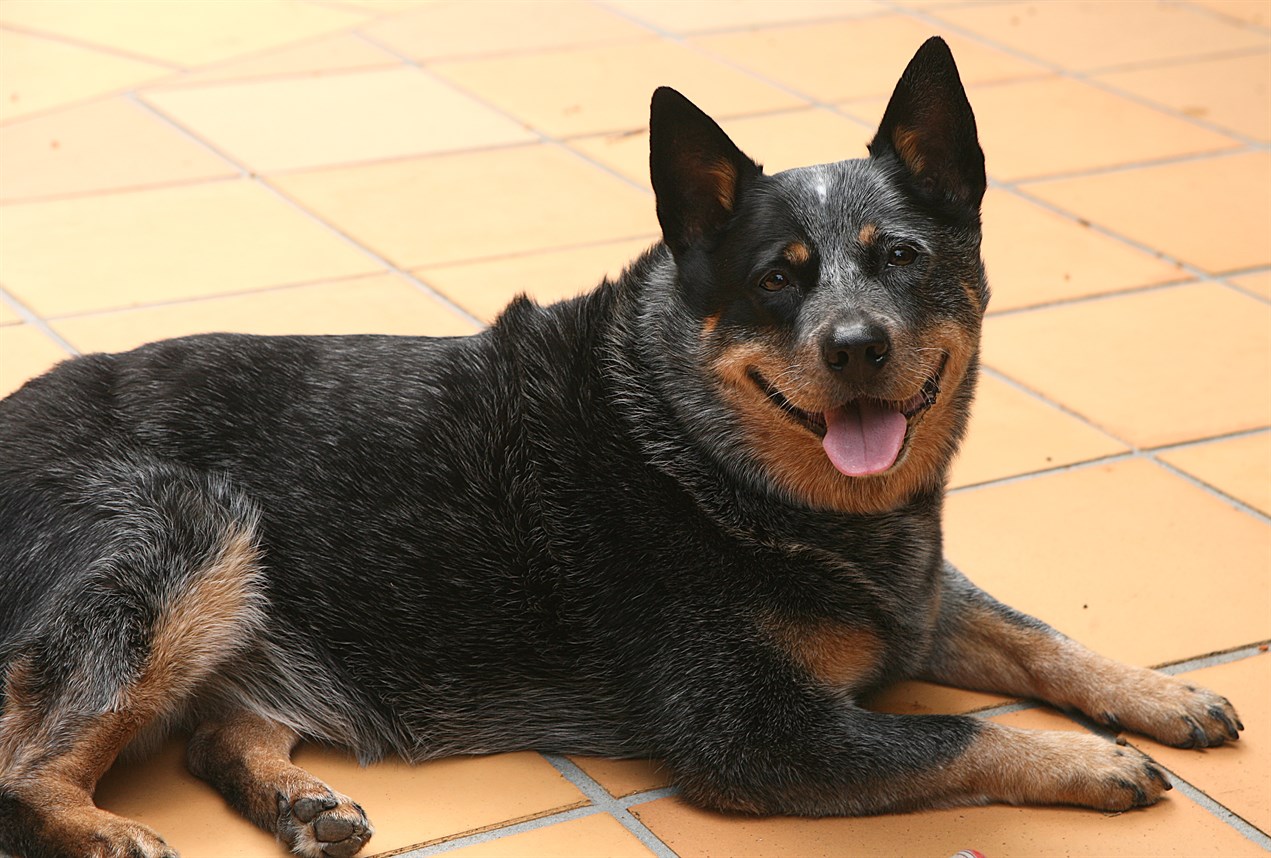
(838, 306)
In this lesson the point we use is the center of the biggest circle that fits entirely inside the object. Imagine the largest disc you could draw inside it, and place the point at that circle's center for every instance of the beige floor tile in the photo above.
(1258, 283)
(304, 122)
(695, 16)
(622, 778)
(1248, 11)
(1236, 775)
(458, 29)
(874, 51)
(595, 836)
(451, 208)
(1210, 212)
(141, 247)
(1123, 362)
(1175, 827)
(1086, 35)
(319, 56)
(778, 141)
(1231, 92)
(41, 74)
(1035, 256)
(1013, 433)
(407, 804)
(485, 288)
(912, 697)
(1057, 125)
(376, 304)
(189, 33)
(8, 316)
(101, 146)
(186, 812)
(24, 354)
(440, 799)
(1103, 554)
(590, 90)
(1240, 467)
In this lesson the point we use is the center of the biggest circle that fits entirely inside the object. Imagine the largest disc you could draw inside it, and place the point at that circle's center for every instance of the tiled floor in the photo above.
(386, 165)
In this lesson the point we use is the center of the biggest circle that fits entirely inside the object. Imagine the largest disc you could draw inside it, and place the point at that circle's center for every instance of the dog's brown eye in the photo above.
(774, 281)
(902, 255)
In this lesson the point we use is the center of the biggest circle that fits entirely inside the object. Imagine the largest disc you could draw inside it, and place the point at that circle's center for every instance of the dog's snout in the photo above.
(858, 349)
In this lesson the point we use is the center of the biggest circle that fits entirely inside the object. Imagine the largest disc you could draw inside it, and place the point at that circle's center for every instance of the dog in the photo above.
(692, 515)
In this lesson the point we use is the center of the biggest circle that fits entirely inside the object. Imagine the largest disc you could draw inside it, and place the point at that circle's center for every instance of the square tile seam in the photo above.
(933, 18)
(278, 193)
(1151, 455)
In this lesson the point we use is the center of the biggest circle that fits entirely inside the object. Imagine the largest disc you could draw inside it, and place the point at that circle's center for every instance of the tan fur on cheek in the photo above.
(794, 458)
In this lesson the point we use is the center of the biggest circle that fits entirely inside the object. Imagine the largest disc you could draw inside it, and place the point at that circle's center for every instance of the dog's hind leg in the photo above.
(172, 595)
(248, 758)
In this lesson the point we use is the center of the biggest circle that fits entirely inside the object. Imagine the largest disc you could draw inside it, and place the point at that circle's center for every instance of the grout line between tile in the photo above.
(934, 20)
(618, 808)
(497, 833)
(1222, 812)
(88, 45)
(1216, 658)
(30, 318)
(543, 137)
(198, 299)
(1229, 19)
(264, 183)
(1235, 148)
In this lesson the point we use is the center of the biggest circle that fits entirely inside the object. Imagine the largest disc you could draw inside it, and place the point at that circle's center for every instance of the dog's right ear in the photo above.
(697, 171)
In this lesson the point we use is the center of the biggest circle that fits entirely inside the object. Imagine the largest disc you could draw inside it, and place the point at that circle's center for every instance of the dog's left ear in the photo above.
(697, 171)
(929, 128)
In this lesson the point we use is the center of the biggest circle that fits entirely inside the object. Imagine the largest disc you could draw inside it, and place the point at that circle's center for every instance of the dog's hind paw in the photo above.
(323, 824)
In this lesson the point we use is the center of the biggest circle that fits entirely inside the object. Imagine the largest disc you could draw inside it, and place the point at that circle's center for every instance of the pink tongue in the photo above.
(863, 437)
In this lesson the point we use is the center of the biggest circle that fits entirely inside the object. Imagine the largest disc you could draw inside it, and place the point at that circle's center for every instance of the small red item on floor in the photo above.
(968, 853)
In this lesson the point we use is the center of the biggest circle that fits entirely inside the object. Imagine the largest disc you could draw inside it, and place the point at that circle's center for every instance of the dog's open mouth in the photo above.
(863, 436)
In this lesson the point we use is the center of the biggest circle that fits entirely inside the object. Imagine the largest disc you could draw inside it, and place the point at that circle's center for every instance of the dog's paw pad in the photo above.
(323, 825)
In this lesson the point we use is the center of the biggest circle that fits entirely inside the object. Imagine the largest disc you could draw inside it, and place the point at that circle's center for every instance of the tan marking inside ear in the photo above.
(795, 458)
(797, 253)
(834, 654)
(723, 174)
(867, 234)
(907, 143)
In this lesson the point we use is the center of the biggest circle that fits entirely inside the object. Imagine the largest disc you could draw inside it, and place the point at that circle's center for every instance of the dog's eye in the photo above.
(901, 255)
(774, 281)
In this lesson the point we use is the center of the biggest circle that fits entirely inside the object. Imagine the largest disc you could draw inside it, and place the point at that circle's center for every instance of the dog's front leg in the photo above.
(980, 643)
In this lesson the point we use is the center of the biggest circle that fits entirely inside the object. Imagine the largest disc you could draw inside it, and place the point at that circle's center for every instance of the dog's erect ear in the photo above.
(929, 127)
(696, 170)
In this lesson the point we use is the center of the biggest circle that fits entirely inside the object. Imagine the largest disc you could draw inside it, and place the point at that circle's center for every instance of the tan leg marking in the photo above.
(52, 758)
(834, 654)
(992, 653)
(248, 758)
(1053, 767)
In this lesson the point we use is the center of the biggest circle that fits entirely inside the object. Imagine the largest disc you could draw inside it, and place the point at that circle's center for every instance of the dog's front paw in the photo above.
(1063, 767)
(322, 824)
(1170, 711)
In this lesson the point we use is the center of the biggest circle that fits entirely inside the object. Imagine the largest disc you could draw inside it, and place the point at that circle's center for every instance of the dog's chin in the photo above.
(873, 422)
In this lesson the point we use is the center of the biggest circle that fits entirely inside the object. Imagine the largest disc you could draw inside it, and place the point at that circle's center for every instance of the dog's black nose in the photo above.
(858, 349)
